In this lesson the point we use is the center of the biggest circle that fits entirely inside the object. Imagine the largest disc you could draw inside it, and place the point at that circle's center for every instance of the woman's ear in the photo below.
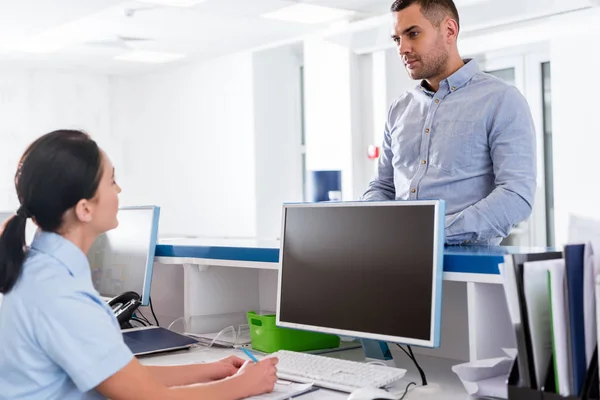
(83, 210)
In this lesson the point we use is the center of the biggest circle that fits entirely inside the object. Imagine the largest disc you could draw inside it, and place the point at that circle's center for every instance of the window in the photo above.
(303, 135)
(548, 166)
(507, 75)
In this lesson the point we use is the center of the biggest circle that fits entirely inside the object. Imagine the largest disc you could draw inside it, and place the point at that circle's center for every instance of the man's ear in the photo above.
(451, 28)
(83, 210)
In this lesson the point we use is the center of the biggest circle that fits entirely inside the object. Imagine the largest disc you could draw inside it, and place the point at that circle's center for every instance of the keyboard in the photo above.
(332, 373)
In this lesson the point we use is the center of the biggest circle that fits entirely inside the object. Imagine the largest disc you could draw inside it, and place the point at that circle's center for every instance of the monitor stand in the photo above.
(375, 350)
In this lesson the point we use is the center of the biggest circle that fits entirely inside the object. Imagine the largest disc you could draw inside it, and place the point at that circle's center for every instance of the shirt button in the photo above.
(427, 130)
(413, 190)
(437, 101)
(423, 162)
(453, 88)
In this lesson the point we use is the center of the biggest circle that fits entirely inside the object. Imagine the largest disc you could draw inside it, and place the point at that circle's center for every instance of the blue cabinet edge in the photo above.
(462, 259)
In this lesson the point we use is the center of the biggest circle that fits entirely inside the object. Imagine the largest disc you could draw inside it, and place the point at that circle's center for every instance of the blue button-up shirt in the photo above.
(472, 144)
(58, 338)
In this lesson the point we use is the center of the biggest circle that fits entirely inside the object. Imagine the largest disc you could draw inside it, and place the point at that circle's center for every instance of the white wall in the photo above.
(34, 102)
(277, 125)
(188, 141)
(576, 129)
(382, 79)
(330, 73)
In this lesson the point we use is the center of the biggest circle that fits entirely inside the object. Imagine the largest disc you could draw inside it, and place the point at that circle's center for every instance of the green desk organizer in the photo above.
(269, 338)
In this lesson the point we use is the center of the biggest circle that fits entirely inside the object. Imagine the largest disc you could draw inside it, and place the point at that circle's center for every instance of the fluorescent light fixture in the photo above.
(151, 57)
(308, 14)
(466, 3)
(172, 3)
(53, 40)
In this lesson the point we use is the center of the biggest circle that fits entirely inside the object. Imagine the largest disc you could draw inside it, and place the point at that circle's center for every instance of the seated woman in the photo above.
(59, 339)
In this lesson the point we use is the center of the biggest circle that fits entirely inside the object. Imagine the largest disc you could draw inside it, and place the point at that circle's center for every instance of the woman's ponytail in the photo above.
(12, 250)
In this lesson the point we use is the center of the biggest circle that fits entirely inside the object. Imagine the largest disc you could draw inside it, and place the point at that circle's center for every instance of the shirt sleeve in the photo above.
(81, 337)
(513, 152)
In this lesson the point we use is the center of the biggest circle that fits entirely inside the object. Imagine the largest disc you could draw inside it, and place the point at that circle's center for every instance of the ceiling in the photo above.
(100, 30)
(94, 32)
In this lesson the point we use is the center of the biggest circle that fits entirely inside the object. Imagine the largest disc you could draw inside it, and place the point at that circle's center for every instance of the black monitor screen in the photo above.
(361, 267)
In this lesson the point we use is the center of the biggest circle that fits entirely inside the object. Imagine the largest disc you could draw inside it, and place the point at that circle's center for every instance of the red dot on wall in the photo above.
(373, 152)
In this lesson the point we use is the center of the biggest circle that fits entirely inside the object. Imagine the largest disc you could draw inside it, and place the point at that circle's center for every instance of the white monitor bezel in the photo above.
(437, 257)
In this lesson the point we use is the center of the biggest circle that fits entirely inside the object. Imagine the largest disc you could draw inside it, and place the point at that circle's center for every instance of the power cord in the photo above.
(411, 355)
(406, 390)
(154, 315)
(145, 323)
(141, 316)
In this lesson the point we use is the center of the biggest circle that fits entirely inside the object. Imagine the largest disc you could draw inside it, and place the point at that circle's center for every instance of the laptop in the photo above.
(154, 339)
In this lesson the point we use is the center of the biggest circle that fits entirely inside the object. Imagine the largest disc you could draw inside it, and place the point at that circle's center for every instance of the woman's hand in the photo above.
(258, 378)
(225, 368)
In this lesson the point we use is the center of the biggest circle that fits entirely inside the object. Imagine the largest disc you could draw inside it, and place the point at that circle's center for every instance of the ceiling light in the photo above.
(53, 40)
(152, 57)
(172, 3)
(308, 14)
(466, 3)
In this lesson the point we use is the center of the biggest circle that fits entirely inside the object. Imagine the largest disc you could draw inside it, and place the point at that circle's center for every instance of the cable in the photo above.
(140, 321)
(405, 352)
(423, 377)
(414, 360)
(154, 315)
(142, 316)
(406, 390)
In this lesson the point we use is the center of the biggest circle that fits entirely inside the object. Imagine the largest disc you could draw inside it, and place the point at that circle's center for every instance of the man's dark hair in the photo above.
(433, 10)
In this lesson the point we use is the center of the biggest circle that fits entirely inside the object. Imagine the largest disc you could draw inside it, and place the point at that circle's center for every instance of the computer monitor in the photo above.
(369, 270)
(30, 227)
(122, 259)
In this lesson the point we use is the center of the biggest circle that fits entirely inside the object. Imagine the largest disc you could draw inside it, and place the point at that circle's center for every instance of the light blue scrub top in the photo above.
(58, 338)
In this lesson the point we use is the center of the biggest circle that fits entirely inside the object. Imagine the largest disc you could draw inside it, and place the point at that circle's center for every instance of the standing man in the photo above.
(461, 135)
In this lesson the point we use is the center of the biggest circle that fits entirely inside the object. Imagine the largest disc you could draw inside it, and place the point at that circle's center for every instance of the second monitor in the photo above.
(369, 270)
(122, 259)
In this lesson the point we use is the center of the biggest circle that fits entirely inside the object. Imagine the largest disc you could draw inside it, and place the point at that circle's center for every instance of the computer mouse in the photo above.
(371, 394)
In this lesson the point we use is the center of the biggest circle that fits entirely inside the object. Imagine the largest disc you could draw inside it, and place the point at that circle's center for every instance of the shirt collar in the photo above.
(459, 78)
(64, 251)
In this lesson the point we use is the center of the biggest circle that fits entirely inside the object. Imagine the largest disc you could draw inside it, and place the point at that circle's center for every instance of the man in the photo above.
(461, 135)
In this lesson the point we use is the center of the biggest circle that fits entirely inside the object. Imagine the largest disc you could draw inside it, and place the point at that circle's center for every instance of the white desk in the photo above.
(444, 385)
(235, 275)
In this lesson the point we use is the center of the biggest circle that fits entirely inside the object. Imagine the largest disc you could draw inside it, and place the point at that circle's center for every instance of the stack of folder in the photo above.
(551, 302)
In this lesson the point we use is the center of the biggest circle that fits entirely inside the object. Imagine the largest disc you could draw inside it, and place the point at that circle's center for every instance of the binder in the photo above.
(576, 330)
(521, 382)
(589, 390)
(522, 330)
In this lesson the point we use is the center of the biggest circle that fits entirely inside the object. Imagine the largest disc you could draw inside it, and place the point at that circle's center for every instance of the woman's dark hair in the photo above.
(56, 171)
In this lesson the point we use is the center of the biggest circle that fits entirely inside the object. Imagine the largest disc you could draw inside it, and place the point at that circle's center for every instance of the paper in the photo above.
(493, 387)
(507, 272)
(483, 369)
(556, 272)
(511, 353)
(589, 303)
(485, 378)
(284, 390)
(535, 282)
